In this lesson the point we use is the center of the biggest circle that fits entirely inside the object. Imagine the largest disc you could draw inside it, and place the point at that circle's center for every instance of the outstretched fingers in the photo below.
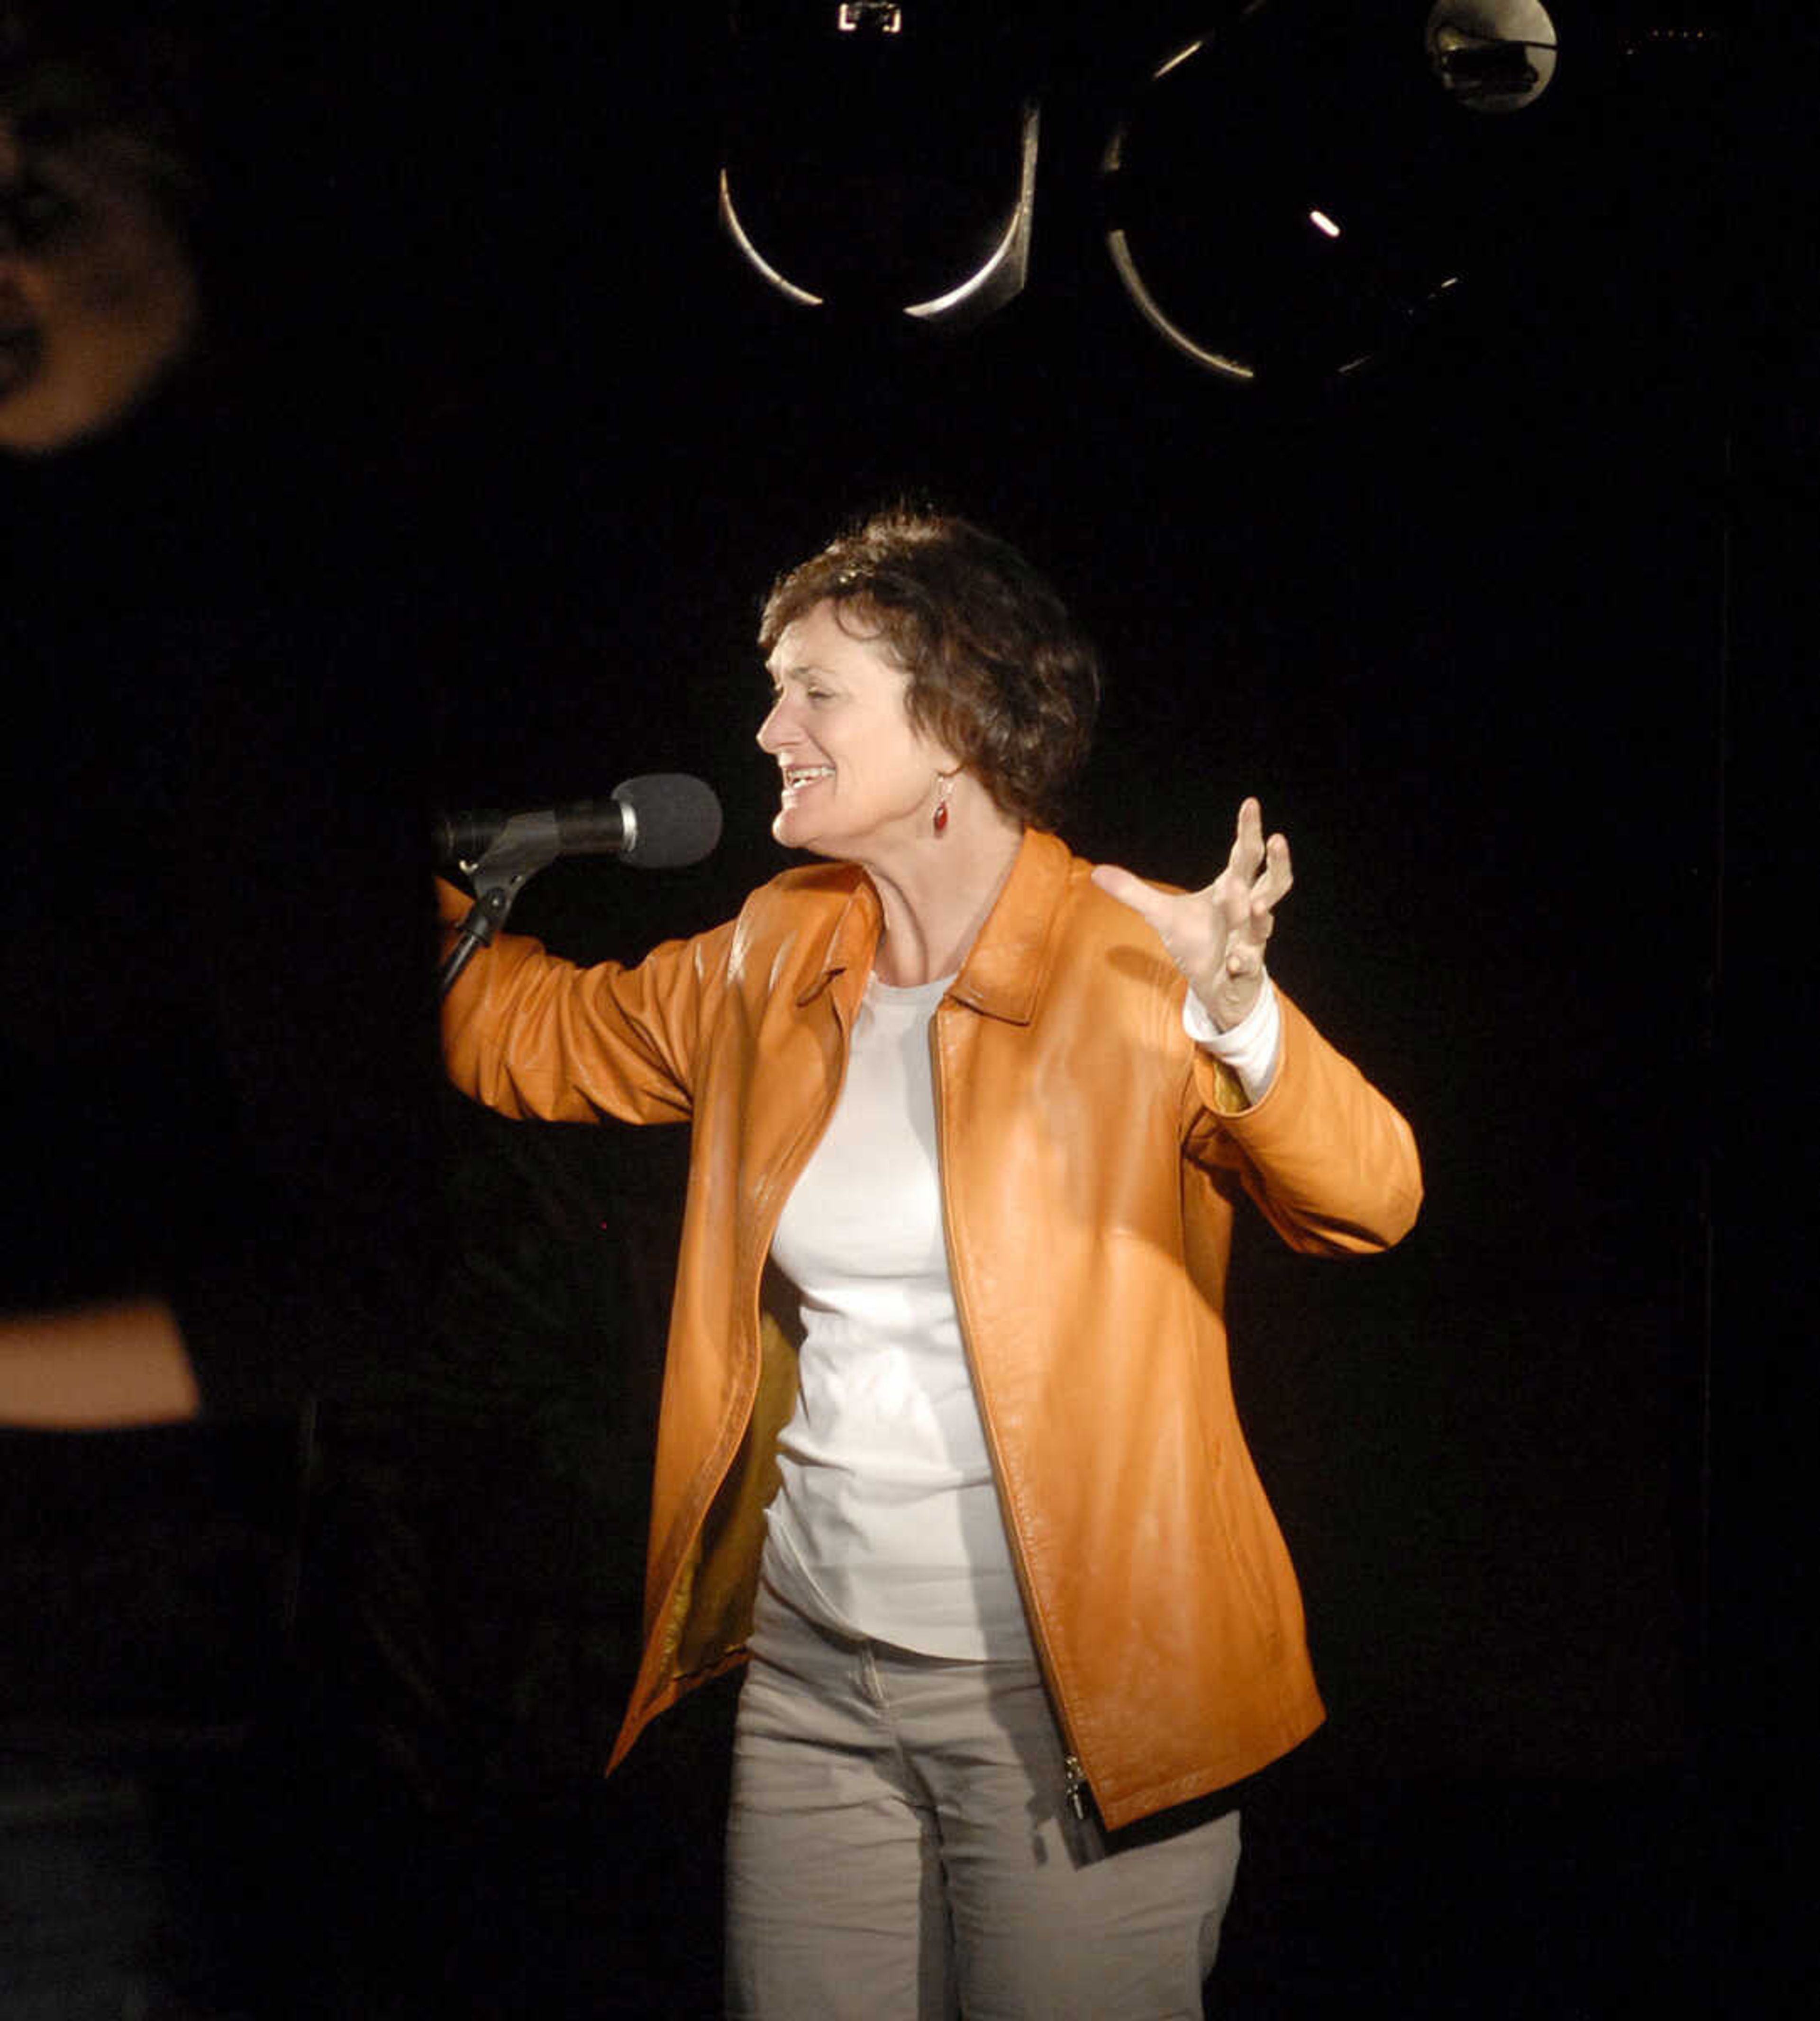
(1217, 936)
(1269, 887)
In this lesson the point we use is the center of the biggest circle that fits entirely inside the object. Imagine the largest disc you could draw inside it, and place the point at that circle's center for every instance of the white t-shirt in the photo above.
(886, 1522)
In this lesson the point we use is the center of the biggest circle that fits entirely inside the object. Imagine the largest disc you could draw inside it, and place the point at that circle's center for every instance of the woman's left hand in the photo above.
(1217, 936)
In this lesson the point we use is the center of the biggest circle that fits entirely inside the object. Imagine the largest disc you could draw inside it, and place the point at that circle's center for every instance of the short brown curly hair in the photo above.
(999, 670)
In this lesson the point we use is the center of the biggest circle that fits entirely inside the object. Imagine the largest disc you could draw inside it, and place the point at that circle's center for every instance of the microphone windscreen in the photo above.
(676, 819)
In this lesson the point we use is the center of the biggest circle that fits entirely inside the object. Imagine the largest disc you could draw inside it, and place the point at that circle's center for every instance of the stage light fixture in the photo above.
(1492, 55)
(1287, 199)
(881, 162)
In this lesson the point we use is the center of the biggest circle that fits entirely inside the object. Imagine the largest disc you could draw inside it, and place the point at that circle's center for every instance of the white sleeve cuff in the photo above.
(1250, 1047)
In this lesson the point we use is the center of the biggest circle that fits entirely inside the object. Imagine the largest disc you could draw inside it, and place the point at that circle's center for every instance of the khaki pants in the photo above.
(902, 1847)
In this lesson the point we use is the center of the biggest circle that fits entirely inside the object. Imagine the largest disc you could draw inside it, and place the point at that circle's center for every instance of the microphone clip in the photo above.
(526, 845)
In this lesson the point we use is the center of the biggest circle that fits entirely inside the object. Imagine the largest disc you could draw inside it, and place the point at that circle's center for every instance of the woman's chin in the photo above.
(795, 834)
(790, 829)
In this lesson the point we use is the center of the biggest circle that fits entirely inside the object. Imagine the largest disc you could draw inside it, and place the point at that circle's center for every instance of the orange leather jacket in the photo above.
(1092, 1158)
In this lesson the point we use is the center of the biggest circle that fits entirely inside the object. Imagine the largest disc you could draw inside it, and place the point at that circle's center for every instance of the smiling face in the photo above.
(860, 780)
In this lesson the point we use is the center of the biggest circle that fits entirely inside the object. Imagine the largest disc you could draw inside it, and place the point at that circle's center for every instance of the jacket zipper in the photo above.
(1075, 1787)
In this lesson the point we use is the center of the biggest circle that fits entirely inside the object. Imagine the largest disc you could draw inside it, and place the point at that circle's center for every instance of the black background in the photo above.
(1508, 633)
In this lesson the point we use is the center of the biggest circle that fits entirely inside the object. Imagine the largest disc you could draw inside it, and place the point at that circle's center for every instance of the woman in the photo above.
(947, 1445)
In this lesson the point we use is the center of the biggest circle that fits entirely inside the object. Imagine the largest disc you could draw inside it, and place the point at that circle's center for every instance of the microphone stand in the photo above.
(521, 848)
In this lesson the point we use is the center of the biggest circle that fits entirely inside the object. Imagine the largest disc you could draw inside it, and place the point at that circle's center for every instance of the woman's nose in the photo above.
(774, 731)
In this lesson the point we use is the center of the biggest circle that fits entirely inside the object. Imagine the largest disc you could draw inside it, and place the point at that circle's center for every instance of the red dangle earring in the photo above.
(943, 786)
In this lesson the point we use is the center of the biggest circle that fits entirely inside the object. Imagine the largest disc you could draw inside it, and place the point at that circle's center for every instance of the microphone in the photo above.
(659, 821)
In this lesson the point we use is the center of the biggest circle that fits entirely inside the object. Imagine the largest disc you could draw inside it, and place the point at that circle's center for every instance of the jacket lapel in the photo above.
(1005, 973)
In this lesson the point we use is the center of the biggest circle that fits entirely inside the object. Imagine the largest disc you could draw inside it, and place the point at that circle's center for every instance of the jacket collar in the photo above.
(1005, 968)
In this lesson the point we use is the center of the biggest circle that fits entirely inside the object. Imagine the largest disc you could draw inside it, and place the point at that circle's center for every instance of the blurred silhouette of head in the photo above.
(99, 296)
